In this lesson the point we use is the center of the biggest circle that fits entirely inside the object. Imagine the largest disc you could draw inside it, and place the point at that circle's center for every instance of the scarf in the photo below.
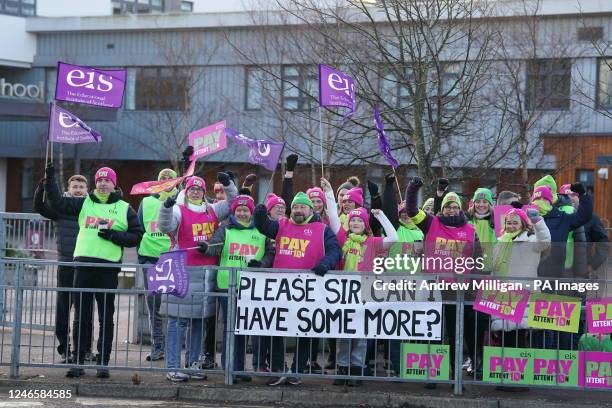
(544, 206)
(453, 220)
(165, 194)
(353, 250)
(482, 216)
(195, 202)
(500, 264)
(102, 197)
(410, 225)
(344, 221)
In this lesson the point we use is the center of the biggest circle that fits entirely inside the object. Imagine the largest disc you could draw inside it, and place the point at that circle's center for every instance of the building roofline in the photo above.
(184, 21)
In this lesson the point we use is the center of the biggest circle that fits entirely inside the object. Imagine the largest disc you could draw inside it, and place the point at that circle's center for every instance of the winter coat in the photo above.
(66, 226)
(526, 252)
(196, 306)
(560, 224)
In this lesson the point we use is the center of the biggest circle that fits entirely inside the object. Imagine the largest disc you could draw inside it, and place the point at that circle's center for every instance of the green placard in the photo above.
(508, 365)
(555, 368)
(554, 312)
(425, 361)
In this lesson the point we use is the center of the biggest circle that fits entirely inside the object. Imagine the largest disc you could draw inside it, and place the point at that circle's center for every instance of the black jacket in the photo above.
(597, 241)
(66, 226)
(71, 206)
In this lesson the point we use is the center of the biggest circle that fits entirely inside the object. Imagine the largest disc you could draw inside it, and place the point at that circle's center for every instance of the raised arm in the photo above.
(222, 208)
(263, 223)
(389, 201)
(390, 232)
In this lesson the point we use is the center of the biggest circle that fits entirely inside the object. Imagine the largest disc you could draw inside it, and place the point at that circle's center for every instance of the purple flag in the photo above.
(385, 149)
(266, 153)
(169, 275)
(91, 86)
(65, 127)
(336, 88)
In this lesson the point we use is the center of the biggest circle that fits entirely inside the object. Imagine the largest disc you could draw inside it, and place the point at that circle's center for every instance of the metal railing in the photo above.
(23, 344)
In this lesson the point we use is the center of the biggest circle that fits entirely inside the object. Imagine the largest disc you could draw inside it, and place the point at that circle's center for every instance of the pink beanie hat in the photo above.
(106, 173)
(195, 181)
(520, 213)
(360, 213)
(316, 192)
(243, 200)
(542, 193)
(567, 190)
(354, 194)
(272, 200)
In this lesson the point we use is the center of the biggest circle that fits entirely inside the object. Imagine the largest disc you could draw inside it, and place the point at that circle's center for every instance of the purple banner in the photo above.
(265, 153)
(169, 275)
(385, 149)
(91, 86)
(65, 127)
(336, 88)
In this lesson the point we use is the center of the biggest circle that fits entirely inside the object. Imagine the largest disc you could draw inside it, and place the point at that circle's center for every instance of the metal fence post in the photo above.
(16, 346)
(459, 333)
(229, 328)
(2, 265)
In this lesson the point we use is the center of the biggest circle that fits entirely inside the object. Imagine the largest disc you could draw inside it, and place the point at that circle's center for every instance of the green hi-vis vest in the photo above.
(406, 238)
(88, 243)
(569, 246)
(240, 245)
(153, 242)
(487, 238)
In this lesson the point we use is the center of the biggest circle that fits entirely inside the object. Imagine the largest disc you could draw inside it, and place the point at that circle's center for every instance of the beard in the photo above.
(298, 218)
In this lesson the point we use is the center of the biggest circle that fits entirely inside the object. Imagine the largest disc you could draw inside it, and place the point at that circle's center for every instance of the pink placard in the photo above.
(599, 315)
(509, 305)
(208, 140)
(594, 369)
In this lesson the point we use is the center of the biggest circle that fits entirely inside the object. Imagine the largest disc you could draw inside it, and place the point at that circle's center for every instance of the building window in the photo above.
(548, 84)
(587, 178)
(23, 8)
(604, 84)
(394, 90)
(187, 6)
(160, 89)
(253, 88)
(137, 6)
(300, 87)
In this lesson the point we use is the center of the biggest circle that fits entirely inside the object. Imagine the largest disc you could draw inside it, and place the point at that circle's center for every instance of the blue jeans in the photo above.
(239, 341)
(153, 302)
(177, 328)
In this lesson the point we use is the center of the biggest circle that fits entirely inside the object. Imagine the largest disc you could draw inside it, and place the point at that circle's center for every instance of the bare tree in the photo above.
(531, 91)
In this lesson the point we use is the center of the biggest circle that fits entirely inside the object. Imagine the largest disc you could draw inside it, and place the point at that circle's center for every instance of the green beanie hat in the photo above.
(451, 198)
(549, 181)
(165, 173)
(302, 198)
(428, 203)
(483, 194)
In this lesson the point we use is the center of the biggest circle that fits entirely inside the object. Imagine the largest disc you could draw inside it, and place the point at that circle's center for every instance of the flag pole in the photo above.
(270, 183)
(399, 191)
(321, 141)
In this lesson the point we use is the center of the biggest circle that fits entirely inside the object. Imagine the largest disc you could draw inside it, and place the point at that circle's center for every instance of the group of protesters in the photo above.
(333, 229)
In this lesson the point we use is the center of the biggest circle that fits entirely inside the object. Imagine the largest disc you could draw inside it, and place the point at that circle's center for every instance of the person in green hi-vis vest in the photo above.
(107, 224)
(480, 215)
(238, 244)
(153, 243)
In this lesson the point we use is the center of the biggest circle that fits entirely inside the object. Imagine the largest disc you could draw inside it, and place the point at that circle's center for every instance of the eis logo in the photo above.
(90, 80)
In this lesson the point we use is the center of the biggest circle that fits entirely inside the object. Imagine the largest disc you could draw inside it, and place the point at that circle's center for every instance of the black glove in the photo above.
(291, 161)
(260, 209)
(578, 188)
(170, 201)
(203, 247)
(254, 263)
(415, 183)
(187, 153)
(320, 270)
(443, 184)
(232, 176)
(106, 234)
(517, 204)
(50, 171)
(224, 179)
(373, 189)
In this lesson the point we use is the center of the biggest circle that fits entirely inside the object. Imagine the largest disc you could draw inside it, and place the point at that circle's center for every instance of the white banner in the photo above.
(306, 305)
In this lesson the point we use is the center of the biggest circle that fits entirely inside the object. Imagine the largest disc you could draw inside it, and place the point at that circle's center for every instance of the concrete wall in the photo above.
(3, 192)
(20, 50)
